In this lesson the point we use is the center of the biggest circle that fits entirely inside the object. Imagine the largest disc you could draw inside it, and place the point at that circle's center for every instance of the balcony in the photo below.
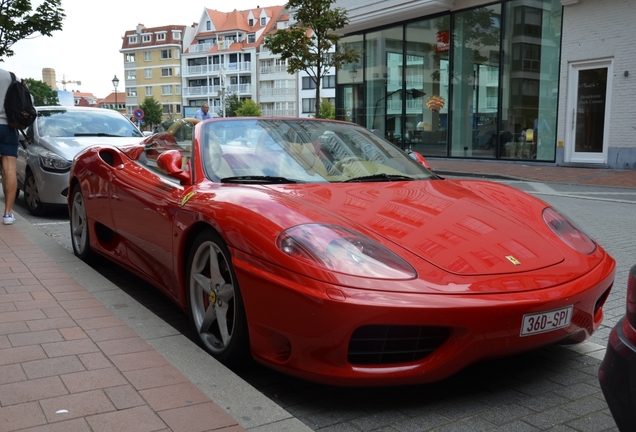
(277, 92)
(278, 112)
(197, 48)
(213, 69)
(215, 91)
(276, 69)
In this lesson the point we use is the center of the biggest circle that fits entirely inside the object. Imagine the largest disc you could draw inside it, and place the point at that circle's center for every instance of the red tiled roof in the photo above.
(153, 40)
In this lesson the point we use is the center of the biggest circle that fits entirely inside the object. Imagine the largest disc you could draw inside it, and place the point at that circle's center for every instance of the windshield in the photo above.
(301, 151)
(97, 122)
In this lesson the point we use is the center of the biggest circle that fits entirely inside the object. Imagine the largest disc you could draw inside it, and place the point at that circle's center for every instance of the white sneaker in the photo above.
(8, 219)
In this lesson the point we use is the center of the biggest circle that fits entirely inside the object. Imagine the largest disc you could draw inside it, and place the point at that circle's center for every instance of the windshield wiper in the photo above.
(379, 177)
(257, 179)
(99, 134)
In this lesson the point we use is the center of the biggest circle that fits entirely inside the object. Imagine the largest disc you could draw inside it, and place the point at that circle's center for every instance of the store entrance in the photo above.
(588, 106)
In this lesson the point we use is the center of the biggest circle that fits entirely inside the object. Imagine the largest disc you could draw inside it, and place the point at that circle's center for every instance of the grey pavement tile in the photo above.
(577, 391)
(550, 418)
(380, 419)
(332, 417)
(423, 423)
(594, 423)
(540, 387)
(543, 402)
(587, 405)
(516, 426)
(466, 409)
(506, 414)
(466, 425)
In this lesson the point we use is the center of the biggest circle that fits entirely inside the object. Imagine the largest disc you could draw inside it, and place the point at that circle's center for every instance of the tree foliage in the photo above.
(307, 44)
(248, 108)
(327, 109)
(43, 94)
(152, 111)
(18, 21)
(232, 104)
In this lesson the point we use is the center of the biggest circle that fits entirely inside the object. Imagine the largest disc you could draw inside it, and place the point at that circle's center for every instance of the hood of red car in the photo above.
(450, 226)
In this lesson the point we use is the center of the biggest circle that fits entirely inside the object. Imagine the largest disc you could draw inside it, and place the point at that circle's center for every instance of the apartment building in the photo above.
(152, 65)
(220, 57)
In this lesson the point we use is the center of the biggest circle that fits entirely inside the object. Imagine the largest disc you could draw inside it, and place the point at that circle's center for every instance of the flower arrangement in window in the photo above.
(435, 103)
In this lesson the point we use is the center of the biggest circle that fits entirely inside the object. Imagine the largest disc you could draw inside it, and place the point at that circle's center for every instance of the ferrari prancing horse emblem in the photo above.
(513, 260)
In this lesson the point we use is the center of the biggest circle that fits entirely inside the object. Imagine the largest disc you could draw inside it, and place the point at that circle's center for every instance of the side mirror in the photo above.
(420, 159)
(171, 161)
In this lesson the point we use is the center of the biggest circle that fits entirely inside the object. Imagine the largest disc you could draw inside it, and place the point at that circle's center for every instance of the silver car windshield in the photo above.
(301, 151)
(63, 123)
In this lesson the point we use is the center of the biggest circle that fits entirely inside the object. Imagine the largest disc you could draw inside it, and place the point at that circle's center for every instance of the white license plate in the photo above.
(546, 321)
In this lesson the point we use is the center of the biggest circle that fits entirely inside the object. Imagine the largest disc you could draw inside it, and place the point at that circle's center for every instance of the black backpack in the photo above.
(18, 105)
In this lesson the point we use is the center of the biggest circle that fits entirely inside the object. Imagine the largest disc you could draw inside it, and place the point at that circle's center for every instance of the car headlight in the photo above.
(49, 161)
(338, 249)
(567, 231)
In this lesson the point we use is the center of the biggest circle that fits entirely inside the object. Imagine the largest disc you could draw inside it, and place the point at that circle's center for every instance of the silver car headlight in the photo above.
(49, 161)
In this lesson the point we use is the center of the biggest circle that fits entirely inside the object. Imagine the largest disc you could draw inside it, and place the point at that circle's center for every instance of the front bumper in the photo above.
(52, 186)
(617, 375)
(304, 327)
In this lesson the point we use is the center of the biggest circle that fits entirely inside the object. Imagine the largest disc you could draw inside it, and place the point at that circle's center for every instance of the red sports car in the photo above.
(328, 253)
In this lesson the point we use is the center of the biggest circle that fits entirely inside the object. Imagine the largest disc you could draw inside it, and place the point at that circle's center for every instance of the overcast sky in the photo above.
(87, 48)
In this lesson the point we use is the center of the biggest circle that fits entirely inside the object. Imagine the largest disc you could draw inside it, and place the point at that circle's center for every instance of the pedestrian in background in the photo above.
(203, 113)
(9, 152)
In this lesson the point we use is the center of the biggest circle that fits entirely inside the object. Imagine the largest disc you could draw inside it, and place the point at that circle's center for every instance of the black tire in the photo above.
(32, 196)
(215, 305)
(80, 235)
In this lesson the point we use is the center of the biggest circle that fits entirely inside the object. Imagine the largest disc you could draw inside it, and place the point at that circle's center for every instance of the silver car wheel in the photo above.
(32, 196)
(212, 304)
(79, 226)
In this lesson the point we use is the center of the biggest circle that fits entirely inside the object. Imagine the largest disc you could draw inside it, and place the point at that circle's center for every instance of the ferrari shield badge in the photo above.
(185, 199)
(513, 260)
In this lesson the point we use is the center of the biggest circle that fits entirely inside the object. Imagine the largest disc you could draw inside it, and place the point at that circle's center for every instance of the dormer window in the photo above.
(251, 38)
(176, 35)
(146, 38)
(161, 36)
(264, 21)
(208, 25)
(133, 39)
(251, 22)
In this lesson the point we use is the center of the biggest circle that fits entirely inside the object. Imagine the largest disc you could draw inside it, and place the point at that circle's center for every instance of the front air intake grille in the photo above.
(388, 344)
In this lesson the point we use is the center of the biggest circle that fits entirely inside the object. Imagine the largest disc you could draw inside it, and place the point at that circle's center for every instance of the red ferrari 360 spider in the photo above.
(328, 253)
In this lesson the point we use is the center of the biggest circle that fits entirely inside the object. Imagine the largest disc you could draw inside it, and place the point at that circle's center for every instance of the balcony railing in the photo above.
(215, 91)
(278, 112)
(277, 91)
(273, 69)
(213, 69)
(204, 47)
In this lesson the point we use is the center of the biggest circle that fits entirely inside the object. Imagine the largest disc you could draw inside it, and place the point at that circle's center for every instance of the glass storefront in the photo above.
(477, 83)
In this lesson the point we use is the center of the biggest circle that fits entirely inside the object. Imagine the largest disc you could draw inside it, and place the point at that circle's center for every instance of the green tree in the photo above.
(307, 45)
(43, 94)
(152, 111)
(18, 21)
(232, 104)
(327, 109)
(249, 108)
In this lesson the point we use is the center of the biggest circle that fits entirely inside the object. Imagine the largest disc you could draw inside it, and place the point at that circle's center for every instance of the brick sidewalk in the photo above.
(67, 363)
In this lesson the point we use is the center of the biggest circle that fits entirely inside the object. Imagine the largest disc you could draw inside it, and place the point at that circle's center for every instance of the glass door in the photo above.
(588, 112)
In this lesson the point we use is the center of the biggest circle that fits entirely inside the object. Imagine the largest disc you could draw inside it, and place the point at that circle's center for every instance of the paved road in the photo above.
(554, 388)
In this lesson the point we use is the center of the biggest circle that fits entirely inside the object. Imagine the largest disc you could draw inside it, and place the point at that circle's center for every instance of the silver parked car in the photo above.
(58, 134)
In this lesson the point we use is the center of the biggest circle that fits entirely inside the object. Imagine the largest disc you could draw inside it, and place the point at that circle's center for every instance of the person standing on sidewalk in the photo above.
(9, 152)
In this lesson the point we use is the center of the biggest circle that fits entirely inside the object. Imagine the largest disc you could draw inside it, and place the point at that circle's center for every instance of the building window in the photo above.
(133, 39)
(148, 73)
(177, 71)
(263, 21)
(309, 105)
(146, 38)
(149, 91)
(166, 90)
(177, 89)
(308, 83)
(147, 56)
(131, 74)
(250, 22)
(166, 72)
(130, 58)
(176, 35)
(251, 38)
(131, 91)
(208, 25)
(166, 54)
(161, 36)
(329, 81)
(177, 54)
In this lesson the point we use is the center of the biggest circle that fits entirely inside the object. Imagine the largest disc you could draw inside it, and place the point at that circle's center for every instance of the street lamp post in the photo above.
(115, 83)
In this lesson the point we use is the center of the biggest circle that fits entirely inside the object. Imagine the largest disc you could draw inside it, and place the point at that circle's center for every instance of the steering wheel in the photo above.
(346, 161)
